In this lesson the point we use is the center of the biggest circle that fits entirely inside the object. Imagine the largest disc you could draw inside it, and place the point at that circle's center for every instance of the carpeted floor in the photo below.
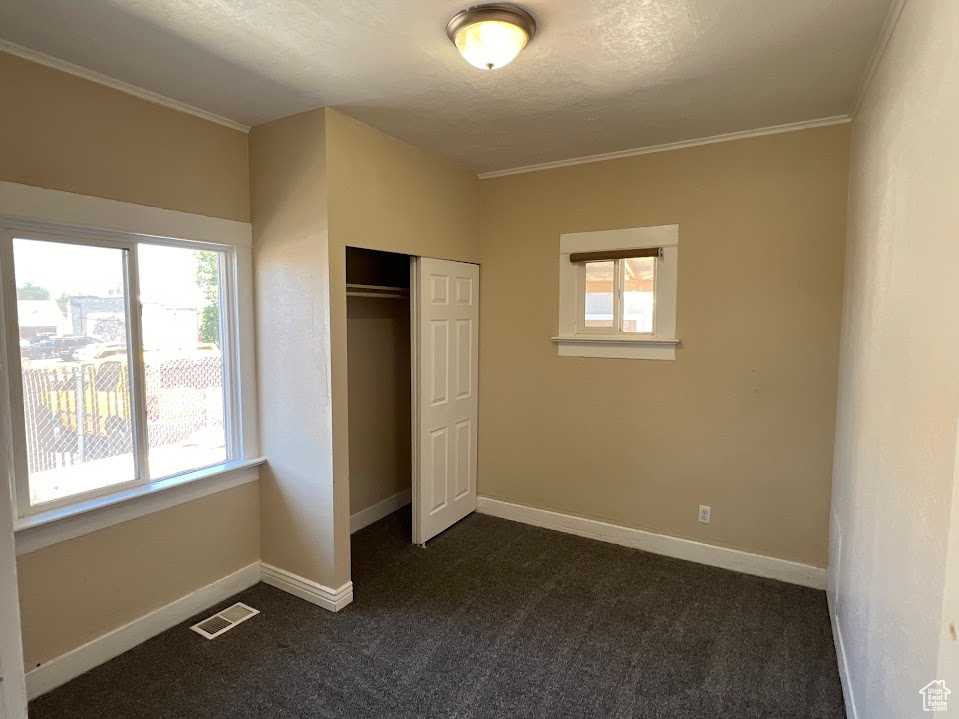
(492, 619)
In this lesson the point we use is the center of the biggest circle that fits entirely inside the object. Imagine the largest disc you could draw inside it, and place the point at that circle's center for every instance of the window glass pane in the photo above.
(180, 293)
(75, 365)
(638, 284)
(599, 294)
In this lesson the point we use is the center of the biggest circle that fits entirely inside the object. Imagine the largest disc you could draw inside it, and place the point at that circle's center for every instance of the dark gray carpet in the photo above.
(492, 619)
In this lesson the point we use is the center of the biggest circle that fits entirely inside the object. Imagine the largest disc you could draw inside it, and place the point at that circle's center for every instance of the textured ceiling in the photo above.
(600, 75)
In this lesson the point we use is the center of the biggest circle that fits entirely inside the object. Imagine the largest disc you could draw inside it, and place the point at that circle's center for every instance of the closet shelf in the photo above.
(354, 290)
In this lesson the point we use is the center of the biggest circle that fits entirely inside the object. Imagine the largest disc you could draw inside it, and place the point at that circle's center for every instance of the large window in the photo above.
(183, 362)
(123, 371)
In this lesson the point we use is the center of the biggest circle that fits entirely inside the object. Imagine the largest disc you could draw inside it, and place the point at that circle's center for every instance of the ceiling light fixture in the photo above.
(490, 36)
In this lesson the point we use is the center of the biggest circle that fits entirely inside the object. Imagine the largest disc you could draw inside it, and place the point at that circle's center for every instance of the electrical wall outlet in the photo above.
(704, 514)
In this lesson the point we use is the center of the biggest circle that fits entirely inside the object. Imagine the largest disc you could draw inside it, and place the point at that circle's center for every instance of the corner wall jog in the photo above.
(78, 661)
(122, 639)
(332, 599)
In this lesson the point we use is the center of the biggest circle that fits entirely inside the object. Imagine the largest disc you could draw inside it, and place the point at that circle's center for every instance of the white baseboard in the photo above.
(97, 651)
(847, 694)
(723, 557)
(332, 599)
(379, 510)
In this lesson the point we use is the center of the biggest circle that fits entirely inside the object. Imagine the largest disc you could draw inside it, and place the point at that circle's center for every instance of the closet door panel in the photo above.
(445, 358)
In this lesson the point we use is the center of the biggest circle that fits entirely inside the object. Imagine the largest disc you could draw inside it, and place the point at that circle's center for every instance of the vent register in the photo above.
(224, 621)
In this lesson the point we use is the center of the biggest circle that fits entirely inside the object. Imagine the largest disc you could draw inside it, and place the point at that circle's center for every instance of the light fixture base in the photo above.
(502, 12)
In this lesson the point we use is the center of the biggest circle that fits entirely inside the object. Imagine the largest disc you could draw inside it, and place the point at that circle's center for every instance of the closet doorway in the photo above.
(412, 355)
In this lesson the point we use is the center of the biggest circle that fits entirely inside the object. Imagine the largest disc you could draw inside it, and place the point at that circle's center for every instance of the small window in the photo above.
(599, 294)
(122, 376)
(618, 293)
(639, 294)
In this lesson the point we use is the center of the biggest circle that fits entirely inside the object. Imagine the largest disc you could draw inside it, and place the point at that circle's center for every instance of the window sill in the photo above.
(616, 346)
(43, 529)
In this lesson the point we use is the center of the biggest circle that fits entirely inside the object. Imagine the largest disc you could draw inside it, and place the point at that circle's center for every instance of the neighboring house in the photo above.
(94, 316)
(105, 318)
(38, 317)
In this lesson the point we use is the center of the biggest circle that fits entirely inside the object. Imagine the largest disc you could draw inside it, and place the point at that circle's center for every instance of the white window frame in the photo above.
(574, 339)
(35, 213)
(133, 311)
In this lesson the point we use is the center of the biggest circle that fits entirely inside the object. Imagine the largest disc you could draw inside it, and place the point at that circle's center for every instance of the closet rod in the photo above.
(355, 290)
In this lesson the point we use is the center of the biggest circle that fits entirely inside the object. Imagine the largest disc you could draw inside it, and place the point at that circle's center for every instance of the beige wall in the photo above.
(80, 589)
(742, 419)
(322, 181)
(58, 131)
(63, 133)
(384, 195)
(387, 195)
(378, 346)
(893, 575)
(291, 277)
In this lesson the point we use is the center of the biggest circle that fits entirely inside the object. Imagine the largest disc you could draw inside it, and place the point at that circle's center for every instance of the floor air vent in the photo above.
(224, 621)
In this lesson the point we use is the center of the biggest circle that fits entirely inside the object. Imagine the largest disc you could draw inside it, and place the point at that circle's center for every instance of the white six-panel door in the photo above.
(445, 383)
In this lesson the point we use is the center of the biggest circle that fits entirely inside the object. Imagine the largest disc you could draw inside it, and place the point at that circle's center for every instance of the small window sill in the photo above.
(617, 346)
(45, 528)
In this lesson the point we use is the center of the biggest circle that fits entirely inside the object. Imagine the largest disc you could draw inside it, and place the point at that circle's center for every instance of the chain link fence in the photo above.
(80, 413)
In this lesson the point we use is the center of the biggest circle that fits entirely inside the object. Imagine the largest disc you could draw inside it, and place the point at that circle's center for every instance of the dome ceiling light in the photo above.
(490, 36)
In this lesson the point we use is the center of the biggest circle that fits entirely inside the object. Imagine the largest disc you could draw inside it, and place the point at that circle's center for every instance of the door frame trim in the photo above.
(414, 399)
(13, 687)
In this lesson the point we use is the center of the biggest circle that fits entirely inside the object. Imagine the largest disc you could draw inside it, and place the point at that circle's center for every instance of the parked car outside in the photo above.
(39, 349)
(66, 347)
(99, 351)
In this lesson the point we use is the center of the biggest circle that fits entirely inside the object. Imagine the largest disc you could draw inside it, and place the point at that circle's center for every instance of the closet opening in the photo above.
(379, 384)
(412, 328)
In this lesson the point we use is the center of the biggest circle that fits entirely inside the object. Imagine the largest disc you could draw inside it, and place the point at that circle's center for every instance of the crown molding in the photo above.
(892, 19)
(727, 137)
(69, 67)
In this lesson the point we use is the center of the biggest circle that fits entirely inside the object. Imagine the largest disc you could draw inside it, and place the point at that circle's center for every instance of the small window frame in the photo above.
(11, 228)
(574, 339)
